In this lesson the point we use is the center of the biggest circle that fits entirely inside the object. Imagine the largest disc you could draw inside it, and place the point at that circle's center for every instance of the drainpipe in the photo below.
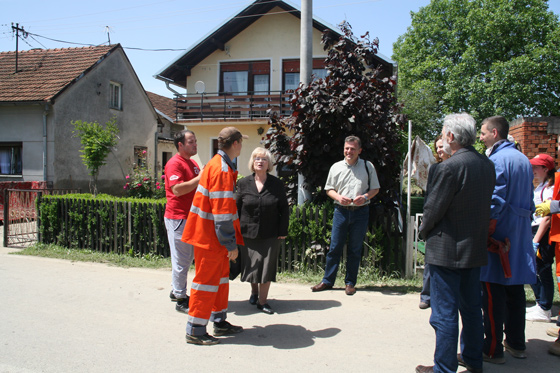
(45, 114)
(155, 155)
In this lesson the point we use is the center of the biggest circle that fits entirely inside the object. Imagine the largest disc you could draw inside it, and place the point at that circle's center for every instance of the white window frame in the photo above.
(115, 95)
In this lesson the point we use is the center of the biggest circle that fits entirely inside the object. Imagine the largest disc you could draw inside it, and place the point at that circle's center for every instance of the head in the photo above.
(261, 159)
(352, 149)
(459, 131)
(185, 143)
(543, 168)
(441, 155)
(230, 141)
(494, 129)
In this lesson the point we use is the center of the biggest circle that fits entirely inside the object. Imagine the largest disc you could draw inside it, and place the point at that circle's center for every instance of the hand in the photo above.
(535, 247)
(360, 200)
(543, 209)
(344, 201)
(232, 255)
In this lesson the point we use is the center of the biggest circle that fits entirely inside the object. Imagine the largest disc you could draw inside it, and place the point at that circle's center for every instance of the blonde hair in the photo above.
(261, 151)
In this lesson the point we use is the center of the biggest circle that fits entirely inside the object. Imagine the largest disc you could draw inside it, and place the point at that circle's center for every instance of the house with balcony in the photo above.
(241, 69)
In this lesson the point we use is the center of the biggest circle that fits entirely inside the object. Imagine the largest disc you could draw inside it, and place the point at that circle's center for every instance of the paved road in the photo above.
(62, 316)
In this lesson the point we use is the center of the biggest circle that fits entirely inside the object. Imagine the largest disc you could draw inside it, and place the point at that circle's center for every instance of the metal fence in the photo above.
(20, 214)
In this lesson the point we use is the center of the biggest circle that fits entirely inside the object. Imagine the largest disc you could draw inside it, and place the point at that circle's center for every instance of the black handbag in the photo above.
(235, 267)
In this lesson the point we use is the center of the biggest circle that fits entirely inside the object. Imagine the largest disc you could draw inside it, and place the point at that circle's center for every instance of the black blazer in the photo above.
(265, 214)
(457, 210)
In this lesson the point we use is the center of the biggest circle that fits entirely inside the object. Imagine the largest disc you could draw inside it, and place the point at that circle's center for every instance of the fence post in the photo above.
(6, 216)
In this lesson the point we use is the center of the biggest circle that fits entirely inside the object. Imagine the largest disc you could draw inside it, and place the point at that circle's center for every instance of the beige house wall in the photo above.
(274, 37)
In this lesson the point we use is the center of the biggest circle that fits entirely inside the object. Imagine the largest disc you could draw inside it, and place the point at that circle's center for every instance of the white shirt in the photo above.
(542, 193)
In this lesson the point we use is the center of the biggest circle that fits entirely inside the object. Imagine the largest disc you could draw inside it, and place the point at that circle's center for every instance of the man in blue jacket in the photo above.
(503, 300)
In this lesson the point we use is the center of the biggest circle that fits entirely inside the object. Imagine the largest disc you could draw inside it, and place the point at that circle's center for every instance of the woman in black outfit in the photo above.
(264, 215)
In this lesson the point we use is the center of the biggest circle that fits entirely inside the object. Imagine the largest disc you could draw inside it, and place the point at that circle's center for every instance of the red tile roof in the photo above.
(43, 73)
(163, 104)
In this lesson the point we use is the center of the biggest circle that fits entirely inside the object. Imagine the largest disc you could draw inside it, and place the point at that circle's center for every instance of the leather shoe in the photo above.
(350, 290)
(423, 305)
(320, 287)
(253, 299)
(265, 308)
(469, 368)
(424, 369)
(493, 359)
(518, 354)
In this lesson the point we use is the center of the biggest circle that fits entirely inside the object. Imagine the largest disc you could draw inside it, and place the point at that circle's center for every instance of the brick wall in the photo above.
(535, 136)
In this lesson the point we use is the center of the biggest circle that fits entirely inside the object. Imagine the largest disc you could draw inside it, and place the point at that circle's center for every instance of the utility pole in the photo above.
(17, 29)
(305, 70)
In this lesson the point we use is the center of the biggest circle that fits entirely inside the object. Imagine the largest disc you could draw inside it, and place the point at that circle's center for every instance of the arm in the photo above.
(373, 186)
(186, 186)
(500, 191)
(338, 198)
(543, 227)
(442, 185)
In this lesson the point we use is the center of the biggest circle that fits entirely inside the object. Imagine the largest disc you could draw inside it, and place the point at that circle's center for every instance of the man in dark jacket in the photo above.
(455, 227)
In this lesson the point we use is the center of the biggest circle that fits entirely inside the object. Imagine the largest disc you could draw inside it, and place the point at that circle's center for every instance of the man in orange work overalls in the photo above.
(215, 232)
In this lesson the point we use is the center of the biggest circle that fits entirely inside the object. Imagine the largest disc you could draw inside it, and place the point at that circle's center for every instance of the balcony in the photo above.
(234, 106)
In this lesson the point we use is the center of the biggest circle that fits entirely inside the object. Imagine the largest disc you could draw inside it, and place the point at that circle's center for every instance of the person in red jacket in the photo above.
(214, 231)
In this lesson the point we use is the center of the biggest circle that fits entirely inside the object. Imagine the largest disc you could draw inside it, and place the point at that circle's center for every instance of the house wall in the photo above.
(274, 37)
(206, 133)
(88, 100)
(24, 123)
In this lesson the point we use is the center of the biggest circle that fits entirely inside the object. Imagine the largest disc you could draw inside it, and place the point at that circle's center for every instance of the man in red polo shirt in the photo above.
(181, 180)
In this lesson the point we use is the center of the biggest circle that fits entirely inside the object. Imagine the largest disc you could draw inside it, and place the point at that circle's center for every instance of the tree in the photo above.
(97, 142)
(484, 57)
(351, 100)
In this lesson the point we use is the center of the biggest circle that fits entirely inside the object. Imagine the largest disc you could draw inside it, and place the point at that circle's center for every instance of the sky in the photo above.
(176, 25)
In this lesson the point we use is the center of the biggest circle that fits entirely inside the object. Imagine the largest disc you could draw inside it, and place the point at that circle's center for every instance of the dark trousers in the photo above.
(454, 292)
(544, 287)
(504, 312)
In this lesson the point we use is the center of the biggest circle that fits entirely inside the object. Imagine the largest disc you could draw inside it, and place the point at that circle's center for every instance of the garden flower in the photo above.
(127, 177)
(146, 178)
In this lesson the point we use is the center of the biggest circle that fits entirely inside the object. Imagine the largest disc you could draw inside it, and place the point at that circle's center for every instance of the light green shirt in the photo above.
(351, 181)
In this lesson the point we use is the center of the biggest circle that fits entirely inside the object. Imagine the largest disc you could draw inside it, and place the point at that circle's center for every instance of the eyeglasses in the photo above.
(259, 159)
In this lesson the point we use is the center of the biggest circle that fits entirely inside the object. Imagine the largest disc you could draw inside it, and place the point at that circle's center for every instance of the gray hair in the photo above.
(463, 128)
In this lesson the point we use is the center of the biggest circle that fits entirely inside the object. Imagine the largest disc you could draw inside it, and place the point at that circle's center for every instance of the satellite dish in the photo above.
(199, 86)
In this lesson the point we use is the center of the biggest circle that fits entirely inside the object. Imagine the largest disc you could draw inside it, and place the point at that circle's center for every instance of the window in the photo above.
(290, 72)
(140, 156)
(165, 157)
(10, 158)
(115, 96)
(242, 78)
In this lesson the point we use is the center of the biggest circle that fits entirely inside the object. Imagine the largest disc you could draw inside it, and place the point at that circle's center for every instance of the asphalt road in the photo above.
(62, 316)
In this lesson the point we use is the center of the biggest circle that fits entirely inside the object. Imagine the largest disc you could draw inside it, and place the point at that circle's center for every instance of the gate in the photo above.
(20, 215)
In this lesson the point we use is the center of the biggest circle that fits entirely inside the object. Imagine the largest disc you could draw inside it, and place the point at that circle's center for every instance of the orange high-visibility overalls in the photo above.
(213, 228)
(554, 236)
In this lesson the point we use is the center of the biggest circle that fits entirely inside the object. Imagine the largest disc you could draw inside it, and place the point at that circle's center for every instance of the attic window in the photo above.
(115, 96)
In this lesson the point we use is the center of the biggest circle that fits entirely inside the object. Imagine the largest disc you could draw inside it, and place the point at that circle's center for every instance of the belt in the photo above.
(351, 208)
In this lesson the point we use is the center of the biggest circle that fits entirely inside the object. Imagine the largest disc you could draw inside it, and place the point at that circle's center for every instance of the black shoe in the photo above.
(172, 296)
(423, 305)
(205, 340)
(265, 308)
(182, 305)
(469, 368)
(225, 328)
(253, 299)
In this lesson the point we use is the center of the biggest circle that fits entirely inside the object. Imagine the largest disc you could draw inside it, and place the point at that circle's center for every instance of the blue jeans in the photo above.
(455, 291)
(351, 225)
(425, 293)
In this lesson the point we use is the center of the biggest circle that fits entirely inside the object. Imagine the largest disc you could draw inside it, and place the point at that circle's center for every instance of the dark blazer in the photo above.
(265, 214)
(457, 210)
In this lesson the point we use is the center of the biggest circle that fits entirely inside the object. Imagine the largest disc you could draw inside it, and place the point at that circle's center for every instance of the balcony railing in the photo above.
(230, 105)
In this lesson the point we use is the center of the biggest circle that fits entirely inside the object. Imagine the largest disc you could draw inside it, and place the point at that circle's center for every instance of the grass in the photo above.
(368, 278)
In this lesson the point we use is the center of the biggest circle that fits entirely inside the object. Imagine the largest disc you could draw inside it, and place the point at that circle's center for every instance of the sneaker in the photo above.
(554, 348)
(518, 354)
(538, 314)
(531, 309)
(204, 340)
(182, 305)
(553, 332)
(494, 359)
(225, 328)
